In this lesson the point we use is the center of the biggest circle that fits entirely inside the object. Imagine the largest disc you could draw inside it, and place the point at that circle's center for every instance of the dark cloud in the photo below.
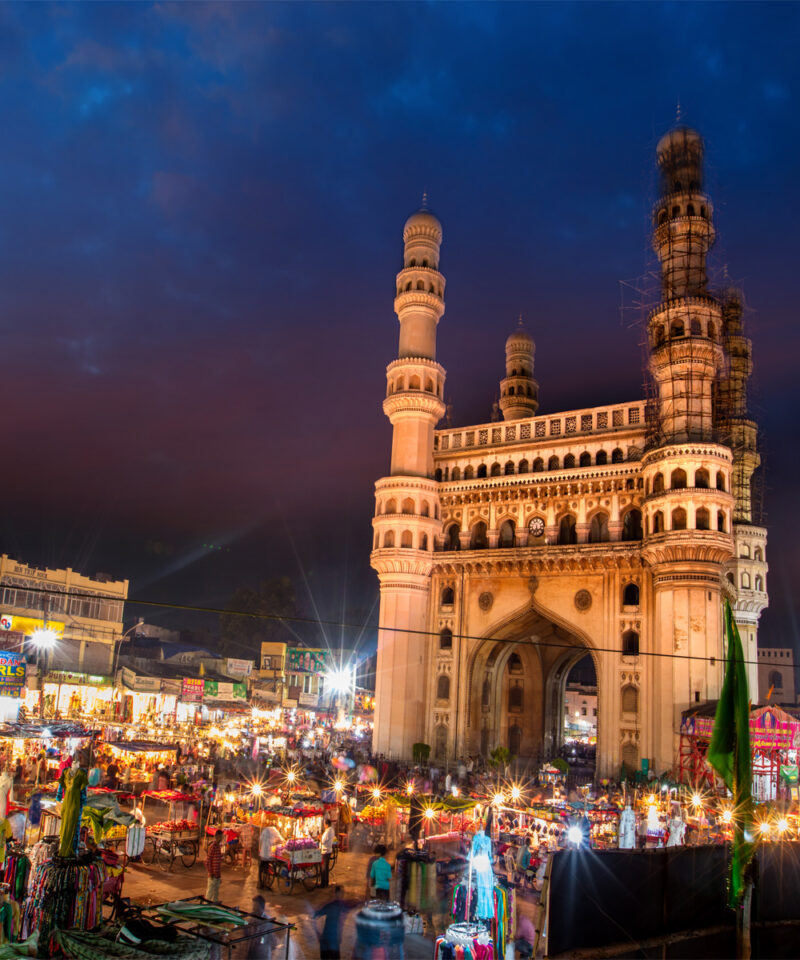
(200, 217)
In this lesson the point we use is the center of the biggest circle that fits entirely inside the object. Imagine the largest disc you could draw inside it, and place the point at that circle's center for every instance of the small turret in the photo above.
(519, 392)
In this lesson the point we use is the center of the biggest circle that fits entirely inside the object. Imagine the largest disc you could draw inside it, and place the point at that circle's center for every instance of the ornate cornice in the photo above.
(530, 561)
(413, 402)
(691, 546)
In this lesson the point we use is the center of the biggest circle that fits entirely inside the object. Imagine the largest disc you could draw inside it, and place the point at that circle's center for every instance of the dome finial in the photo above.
(678, 112)
(520, 324)
(424, 200)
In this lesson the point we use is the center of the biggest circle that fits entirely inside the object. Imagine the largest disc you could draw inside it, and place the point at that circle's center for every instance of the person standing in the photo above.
(268, 839)
(261, 947)
(214, 867)
(326, 843)
(380, 874)
(330, 940)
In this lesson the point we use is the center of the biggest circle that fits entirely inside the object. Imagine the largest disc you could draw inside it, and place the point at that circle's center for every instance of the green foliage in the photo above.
(420, 752)
(500, 757)
(242, 636)
(560, 764)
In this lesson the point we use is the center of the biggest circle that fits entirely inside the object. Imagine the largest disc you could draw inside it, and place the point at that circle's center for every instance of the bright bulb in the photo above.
(290, 776)
(409, 788)
(516, 793)
(575, 835)
(429, 813)
(338, 786)
(44, 638)
(376, 793)
(764, 828)
(339, 681)
(257, 791)
(697, 800)
(498, 799)
(782, 825)
(727, 816)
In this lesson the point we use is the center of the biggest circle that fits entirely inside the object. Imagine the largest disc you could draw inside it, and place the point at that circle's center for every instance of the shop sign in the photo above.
(27, 625)
(192, 691)
(220, 690)
(302, 660)
(171, 686)
(78, 679)
(238, 668)
(134, 681)
(308, 699)
(12, 673)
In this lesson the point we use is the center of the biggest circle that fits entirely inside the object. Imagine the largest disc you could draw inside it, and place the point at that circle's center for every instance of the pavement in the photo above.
(150, 884)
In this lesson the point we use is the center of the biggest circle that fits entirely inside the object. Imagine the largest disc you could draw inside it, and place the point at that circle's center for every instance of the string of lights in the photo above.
(343, 624)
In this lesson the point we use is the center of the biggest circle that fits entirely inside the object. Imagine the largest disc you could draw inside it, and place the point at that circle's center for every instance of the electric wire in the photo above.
(319, 622)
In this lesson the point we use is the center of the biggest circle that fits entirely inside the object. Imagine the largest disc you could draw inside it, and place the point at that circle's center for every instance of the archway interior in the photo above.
(518, 688)
(579, 746)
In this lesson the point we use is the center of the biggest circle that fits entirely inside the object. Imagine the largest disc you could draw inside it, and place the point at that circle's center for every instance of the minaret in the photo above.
(407, 510)
(519, 392)
(686, 471)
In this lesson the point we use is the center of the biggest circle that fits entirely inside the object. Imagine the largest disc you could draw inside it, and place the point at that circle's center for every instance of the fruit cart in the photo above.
(170, 841)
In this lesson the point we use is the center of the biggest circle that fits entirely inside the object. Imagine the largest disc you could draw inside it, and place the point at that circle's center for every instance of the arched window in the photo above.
(712, 330)
(437, 476)
(776, 679)
(630, 595)
(429, 382)
(440, 742)
(676, 210)
(676, 330)
(569, 462)
(662, 216)
(538, 465)
(702, 520)
(678, 480)
(424, 263)
(431, 288)
(630, 758)
(452, 539)
(423, 541)
(720, 480)
(567, 533)
(424, 509)
(448, 597)
(689, 209)
(496, 470)
(731, 579)
(617, 456)
(406, 540)
(514, 739)
(408, 285)
(514, 663)
(391, 506)
(509, 468)
(601, 459)
(658, 483)
(758, 554)
(658, 522)
(552, 463)
(630, 699)
(701, 479)
(586, 459)
(720, 521)
(598, 530)
(443, 687)
(695, 327)
(524, 466)
(469, 472)
(377, 541)
(630, 643)
(456, 473)
(481, 470)
(412, 262)
(420, 284)
(446, 639)
(660, 335)
(516, 697)
(759, 583)
(511, 391)
(702, 211)
(388, 539)
(507, 533)
(632, 525)
(414, 383)
(679, 519)
(478, 539)
(408, 505)
(745, 581)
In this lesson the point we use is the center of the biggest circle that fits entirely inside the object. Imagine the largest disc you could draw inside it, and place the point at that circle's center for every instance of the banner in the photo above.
(27, 625)
(301, 660)
(12, 674)
(219, 690)
(238, 668)
(192, 691)
(139, 683)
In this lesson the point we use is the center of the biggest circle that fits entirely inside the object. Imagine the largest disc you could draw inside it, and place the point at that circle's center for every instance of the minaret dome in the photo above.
(519, 392)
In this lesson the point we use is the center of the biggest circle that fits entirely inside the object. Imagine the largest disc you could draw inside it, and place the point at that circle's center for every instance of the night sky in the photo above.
(201, 210)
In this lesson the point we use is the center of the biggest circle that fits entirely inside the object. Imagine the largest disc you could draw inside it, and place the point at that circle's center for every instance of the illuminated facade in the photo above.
(508, 550)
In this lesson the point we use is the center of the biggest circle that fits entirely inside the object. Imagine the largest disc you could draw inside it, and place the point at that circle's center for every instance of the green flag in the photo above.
(729, 754)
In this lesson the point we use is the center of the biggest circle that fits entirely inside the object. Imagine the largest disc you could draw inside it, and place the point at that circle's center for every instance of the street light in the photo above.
(118, 645)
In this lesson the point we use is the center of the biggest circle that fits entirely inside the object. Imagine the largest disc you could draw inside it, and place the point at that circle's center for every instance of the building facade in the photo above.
(580, 712)
(84, 612)
(776, 682)
(508, 550)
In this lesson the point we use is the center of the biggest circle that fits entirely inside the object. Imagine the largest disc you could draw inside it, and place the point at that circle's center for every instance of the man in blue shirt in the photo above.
(330, 939)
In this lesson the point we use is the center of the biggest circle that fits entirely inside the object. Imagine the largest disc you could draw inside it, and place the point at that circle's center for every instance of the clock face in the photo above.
(536, 527)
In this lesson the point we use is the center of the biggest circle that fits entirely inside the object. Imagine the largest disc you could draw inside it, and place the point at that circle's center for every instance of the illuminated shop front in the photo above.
(72, 695)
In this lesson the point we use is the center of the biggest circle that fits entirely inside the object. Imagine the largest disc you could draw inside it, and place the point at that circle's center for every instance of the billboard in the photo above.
(218, 690)
(192, 691)
(305, 660)
(12, 673)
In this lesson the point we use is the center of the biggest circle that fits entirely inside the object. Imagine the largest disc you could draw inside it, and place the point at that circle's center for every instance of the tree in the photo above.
(500, 757)
(420, 752)
(242, 636)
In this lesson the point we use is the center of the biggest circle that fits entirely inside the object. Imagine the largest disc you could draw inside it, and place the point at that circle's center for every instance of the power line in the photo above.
(319, 622)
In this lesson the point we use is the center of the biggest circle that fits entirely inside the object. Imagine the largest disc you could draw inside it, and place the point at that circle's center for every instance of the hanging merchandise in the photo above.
(470, 941)
(15, 873)
(480, 861)
(64, 894)
(72, 785)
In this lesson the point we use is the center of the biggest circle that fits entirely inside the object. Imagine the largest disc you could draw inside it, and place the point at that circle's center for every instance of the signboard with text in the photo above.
(303, 660)
(12, 673)
(219, 690)
(192, 691)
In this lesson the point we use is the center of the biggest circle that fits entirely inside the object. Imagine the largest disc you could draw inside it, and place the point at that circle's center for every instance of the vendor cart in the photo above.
(164, 847)
(289, 867)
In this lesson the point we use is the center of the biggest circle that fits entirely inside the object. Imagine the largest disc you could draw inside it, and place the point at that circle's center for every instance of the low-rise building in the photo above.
(580, 711)
(776, 675)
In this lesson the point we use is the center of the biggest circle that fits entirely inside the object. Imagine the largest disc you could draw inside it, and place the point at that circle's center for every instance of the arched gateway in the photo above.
(517, 675)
